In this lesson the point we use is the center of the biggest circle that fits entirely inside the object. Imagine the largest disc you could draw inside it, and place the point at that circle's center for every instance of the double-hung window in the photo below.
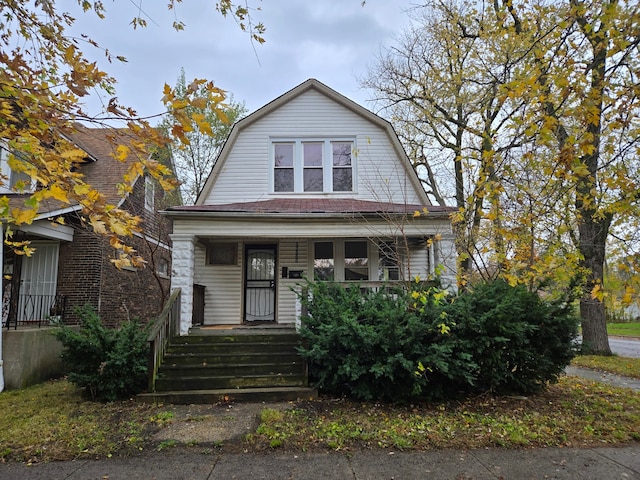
(313, 165)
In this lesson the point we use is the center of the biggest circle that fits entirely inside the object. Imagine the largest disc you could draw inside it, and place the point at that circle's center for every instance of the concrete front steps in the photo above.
(213, 365)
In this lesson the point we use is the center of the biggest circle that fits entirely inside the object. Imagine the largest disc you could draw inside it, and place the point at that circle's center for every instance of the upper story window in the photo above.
(11, 181)
(314, 165)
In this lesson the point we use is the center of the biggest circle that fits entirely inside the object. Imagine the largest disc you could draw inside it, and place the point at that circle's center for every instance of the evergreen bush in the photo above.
(368, 344)
(423, 343)
(108, 363)
(518, 340)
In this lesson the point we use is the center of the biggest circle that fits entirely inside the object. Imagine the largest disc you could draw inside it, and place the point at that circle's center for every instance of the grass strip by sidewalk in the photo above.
(574, 412)
(625, 366)
(52, 422)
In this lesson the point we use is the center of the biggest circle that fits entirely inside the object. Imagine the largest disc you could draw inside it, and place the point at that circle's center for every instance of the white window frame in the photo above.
(338, 258)
(376, 266)
(299, 167)
(6, 184)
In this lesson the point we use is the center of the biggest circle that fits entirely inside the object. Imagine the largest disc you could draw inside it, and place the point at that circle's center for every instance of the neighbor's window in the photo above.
(222, 253)
(323, 261)
(163, 267)
(12, 181)
(356, 260)
(313, 165)
(149, 193)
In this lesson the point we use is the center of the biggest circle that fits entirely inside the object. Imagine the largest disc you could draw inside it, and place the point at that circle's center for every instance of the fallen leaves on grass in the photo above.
(573, 412)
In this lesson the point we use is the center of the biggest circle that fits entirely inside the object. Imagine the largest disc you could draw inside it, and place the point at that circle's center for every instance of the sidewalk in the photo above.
(181, 464)
(193, 463)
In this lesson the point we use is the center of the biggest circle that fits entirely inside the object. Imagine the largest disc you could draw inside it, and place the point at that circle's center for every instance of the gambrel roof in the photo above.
(319, 87)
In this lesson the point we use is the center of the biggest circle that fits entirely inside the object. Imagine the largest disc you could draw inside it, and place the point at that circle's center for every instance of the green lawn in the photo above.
(52, 422)
(631, 329)
(627, 367)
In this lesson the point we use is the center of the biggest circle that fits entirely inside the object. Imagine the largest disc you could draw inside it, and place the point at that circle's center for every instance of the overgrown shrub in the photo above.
(378, 345)
(368, 345)
(518, 341)
(108, 363)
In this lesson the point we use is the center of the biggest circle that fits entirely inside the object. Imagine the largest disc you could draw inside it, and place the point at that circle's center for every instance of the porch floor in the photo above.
(243, 329)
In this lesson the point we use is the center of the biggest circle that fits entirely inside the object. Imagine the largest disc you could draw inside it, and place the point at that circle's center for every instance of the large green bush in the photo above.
(423, 343)
(108, 363)
(368, 345)
(518, 341)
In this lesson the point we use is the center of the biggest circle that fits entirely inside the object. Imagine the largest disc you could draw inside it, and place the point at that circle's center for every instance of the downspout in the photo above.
(1, 312)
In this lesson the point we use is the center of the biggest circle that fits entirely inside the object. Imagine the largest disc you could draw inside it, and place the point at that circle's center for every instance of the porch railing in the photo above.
(34, 310)
(162, 331)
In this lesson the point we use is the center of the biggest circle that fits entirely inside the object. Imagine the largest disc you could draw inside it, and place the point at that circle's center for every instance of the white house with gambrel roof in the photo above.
(312, 185)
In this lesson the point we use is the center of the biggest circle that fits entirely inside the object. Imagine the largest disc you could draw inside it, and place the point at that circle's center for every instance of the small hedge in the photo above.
(423, 343)
(108, 363)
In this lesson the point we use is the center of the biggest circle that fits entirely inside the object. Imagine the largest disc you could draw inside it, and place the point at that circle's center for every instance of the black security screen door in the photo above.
(260, 283)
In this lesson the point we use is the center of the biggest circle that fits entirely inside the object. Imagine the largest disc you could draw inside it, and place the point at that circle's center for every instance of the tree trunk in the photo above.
(593, 237)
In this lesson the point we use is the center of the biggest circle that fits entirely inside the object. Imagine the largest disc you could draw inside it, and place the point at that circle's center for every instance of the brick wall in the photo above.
(87, 276)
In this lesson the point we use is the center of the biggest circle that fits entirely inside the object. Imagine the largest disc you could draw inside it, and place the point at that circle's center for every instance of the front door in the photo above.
(260, 283)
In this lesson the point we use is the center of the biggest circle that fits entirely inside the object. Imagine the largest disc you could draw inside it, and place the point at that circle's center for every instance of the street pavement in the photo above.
(625, 347)
(178, 464)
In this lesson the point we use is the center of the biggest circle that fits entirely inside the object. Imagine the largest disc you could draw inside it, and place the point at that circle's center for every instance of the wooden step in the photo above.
(227, 369)
(213, 358)
(246, 364)
(204, 382)
(273, 394)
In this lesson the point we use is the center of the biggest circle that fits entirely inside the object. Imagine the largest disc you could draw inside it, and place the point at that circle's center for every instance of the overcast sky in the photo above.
(333, 41)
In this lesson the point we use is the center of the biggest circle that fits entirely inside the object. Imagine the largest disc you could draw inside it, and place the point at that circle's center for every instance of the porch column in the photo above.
(182, 268)
(445, 255)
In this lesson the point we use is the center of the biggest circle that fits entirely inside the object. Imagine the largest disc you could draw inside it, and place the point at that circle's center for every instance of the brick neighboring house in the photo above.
(72, 265)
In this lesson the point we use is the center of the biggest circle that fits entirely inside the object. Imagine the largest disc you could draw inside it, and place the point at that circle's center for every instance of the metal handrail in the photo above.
(35, 310)
(160, 334)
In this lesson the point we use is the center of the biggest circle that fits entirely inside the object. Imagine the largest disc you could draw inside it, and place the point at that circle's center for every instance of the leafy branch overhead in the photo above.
(45, 77)
(533, 106)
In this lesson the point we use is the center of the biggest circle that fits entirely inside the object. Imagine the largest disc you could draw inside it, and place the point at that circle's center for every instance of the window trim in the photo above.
(299, 166)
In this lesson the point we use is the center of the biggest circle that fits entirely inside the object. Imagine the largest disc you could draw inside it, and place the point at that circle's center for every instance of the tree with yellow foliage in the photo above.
(44, 77)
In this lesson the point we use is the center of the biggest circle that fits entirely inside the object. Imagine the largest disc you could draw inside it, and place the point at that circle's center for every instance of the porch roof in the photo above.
(306, 206)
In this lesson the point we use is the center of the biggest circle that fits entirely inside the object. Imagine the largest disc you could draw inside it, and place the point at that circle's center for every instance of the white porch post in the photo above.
(445, 253)
(183, 265)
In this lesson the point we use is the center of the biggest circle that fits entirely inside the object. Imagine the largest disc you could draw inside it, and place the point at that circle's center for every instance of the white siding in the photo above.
(307, 227)
(223, 289)
(246, 173)
(293, 255)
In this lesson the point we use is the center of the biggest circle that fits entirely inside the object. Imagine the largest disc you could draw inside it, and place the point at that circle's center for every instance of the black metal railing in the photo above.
(163, 329)
(35, 310)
